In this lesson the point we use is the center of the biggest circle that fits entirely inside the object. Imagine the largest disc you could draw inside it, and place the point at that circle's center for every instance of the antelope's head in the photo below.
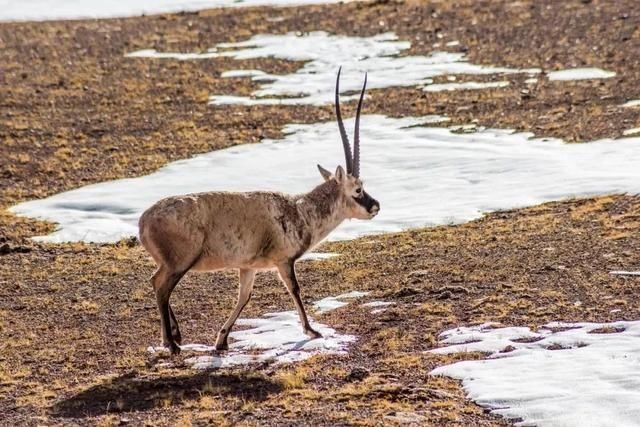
(359, 204)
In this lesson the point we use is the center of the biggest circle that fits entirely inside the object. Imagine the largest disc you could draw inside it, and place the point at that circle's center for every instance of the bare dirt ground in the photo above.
(76, 319)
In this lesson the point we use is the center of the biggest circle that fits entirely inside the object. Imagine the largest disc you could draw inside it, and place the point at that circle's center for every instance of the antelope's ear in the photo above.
(325, 173)
(340, 174)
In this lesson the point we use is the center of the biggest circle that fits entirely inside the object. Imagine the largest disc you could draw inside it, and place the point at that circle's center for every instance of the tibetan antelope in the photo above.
(250, 231)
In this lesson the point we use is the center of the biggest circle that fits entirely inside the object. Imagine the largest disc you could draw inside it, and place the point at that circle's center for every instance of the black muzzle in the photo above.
(369, 203)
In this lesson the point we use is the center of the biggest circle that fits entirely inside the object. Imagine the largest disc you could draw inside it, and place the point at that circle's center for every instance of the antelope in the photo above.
(250, 231)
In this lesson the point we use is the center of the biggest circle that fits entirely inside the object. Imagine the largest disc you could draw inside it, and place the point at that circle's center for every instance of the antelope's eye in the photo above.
(358, 190)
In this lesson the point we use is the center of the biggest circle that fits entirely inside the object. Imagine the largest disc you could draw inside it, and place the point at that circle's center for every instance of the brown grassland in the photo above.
(75, 319)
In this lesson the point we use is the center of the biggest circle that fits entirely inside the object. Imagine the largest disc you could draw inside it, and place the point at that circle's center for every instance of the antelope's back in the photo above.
(225, 229)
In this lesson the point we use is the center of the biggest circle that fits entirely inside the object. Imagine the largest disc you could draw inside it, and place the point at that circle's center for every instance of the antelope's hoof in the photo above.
(222, 340)
(173, 348)
(313, 334)
(222, 343)
(177, 338)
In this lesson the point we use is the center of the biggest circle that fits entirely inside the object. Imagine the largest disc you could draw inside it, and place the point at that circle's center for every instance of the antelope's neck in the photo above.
(322, 209)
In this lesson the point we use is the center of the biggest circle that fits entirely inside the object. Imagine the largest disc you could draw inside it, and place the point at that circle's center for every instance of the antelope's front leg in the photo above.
(245, 288)
(288, 275)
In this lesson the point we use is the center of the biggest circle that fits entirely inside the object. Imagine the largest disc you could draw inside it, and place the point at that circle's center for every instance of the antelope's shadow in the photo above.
(131, 393)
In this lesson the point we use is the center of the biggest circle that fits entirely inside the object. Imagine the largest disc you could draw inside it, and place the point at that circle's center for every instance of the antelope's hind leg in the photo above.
(175, 329)
(245, 289)
(288, 275)
(164, 281)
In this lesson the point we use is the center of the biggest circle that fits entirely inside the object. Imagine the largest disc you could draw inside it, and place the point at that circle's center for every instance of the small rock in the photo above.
(132, 242)
(508, 349)
(390, 316)
(556, 346)
(444, 295)
(357, 374)
(410, 418)
(406, 292)
(5, 249)
(454, 289)
(435, 393)
(418, 274)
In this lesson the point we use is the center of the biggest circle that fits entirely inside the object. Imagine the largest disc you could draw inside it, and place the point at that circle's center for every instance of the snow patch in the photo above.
(242, 73)
(632, 103)
(468, 173)
(580, 74)
(380, 306)
(331, 303)
(46, 10)
(324, 53)
(152, 53)
(318, 256)
(624, 273)
(632, 131)
(464, 86)
(585, 374)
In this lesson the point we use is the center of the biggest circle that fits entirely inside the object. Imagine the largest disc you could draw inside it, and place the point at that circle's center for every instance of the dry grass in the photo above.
(522, 267)
(77, 318)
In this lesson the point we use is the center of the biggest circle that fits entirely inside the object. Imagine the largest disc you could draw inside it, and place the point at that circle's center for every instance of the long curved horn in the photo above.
(343, 133)
(356, 135)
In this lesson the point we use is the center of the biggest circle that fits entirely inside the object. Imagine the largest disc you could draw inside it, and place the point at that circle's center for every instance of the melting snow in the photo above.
(464, 86)
(378, 304)
(580, 74)
(632, 103)
(318, 256)
(242, 73)
(45, 10)
(423, 176)
(331, 303)
(272, 338)
(212, 53)
(324, 53)
(566, 378)
(625, 273)
(381, 306)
